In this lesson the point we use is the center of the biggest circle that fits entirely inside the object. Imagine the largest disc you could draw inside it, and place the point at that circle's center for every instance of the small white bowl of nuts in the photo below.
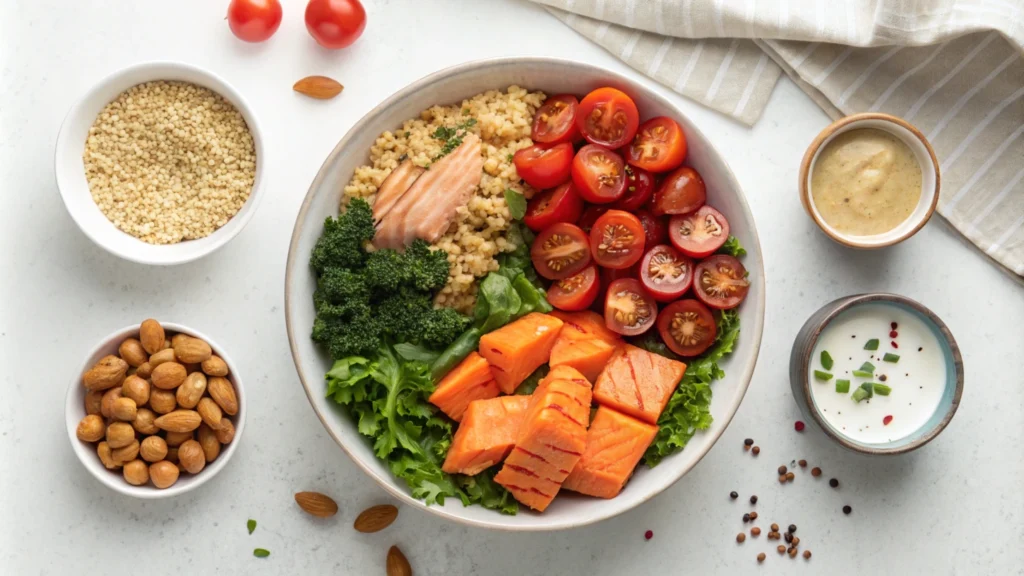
(155, 410)
(160, 163)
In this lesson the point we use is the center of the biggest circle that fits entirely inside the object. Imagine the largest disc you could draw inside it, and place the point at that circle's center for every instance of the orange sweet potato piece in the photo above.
(470, 380)
(487, 433)
(515, 350)
(551, 440)
(638, 383)
(615, 444)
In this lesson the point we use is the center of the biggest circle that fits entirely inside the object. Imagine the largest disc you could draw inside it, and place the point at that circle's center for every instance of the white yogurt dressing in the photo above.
(918, 379)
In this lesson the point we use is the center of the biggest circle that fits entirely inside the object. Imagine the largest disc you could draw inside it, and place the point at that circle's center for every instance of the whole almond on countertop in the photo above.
(210, 412)
(207, 438)
(143, 423)
(137, 388)
(215, 366)
(191, 350)
(317, 504)
(375, 518)
(107, 373)
(161, 357)
(191, 457)
(319, 87)
(162, 401)
(223, 393)
(132, 352)
(397, 564)
(178, 421)
(91, 428)
(151, 335)
(153, 449)
(168, 375)
(191, 390)
(93, 402)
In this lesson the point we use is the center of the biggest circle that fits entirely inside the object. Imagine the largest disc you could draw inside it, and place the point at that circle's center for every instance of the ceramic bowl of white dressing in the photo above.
(877, 373)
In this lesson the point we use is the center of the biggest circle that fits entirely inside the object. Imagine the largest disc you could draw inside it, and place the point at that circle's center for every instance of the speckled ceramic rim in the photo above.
(74, 411)
(815, 147)
(844, 304)
(309, 381)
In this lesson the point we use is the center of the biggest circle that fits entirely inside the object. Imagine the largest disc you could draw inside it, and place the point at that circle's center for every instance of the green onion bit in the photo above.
(871, 344)
(826, 360)
(819, 375)
(842, 386)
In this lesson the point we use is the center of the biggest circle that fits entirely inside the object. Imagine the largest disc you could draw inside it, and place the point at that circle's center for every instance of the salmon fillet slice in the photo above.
(615, 444)
(552, 437)
(470, 380)
(394, 187)
(487, 433)
(638, 383)
(585, 325)
(516, 349)
(428, 207)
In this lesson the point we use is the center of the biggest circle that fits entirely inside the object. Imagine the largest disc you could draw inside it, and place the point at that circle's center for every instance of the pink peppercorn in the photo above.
(799, 426)
(648, 535)
(886, 420)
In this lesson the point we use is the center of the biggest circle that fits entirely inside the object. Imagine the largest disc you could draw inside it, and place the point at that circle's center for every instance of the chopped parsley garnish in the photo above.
(516, 204)
(452, 137)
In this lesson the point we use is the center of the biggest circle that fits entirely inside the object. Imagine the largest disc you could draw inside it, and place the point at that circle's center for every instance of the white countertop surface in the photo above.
(954, 507)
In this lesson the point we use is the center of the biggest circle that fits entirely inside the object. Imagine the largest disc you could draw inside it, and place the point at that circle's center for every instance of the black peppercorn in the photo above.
(746, 518)
(792, 528)
(753, 499)
(782, 470)
(733, 495)
(748, 442)
(847, 509)
(833, 483)
(787, 537)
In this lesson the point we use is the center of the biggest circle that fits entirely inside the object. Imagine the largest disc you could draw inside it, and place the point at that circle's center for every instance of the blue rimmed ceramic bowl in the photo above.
(801, 376)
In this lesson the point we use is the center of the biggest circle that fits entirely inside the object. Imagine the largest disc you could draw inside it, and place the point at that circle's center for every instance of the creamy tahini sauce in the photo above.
(866, 182)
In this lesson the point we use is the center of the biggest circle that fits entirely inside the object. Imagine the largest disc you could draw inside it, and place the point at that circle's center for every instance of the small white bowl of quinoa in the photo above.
(160, 163)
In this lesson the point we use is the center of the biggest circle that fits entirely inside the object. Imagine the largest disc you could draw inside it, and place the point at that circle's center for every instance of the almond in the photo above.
(162, 401)
(153, 449)
(161, 357)
(226, 432)
(172, 455)
(125, 453)
(191, 457)
(93, 402)
(163, 474)
(119, 435)
(191, 350)
(151, 336)
(103, 451)
(143, 423)
(136, 388)
(124, 410)
(191, 390)
(176, 439)
(91, 428)
(207, 438)
(178, 421)
(375, 518)
(397, 564)
(223, 393)
(107, 373)
(175, 339)
(168, 375)
(136, 472)
(144, 371)
(210, 412)
(107, 403)
(215, 366)
(132, 352)
(317, 504)
(319, 87)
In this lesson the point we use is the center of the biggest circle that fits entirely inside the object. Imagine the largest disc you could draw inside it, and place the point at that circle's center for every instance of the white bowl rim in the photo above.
(221, 236)
(72, 407)
(387, 483)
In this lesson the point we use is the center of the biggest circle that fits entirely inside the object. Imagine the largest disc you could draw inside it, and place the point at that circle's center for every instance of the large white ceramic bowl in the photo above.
(74, 189)
(451, 86)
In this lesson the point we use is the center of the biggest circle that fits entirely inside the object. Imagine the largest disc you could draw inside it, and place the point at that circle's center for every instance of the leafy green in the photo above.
(452, 137)
(516, 204)
(530, 384)
(482, 489)
(416, 352)
(733, 248)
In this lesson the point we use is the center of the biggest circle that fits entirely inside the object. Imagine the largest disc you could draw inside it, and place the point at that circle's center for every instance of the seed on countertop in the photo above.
(781, 549)
(734, 495)
(756, 450)
(648, 535)
(792, 552)
(847, 509)
(782, 470)
(746, 518)
(753, 499)
(753, 516)
(796, 541)
(748, 442)
(782, 479)
(774, 536)
(741, 537)
(807, 554)
(790, 476)
(833, 483)
(815, 471)
(760, 557)
(755, 531)
(787, 537)
(792, 528)
(802, 463)
(799, 426)
(775, 527)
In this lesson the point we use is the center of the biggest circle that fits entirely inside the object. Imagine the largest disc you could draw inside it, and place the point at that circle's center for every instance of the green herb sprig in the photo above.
(452, 137)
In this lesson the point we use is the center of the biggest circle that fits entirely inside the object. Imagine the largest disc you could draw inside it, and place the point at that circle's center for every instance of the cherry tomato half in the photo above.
(681, 192)
(628, 309)
(720, 282)
(666, 273)
(335, 24)
(599, 174)
(577, 292)
(590, 216)
(687, 327)
(639, 189)
(655, 227)
(560, 204)
(608, 117)
(560, 251)
(254, 20)
(544, 167)
(555, 121)
(617, 240)
(659, 145)
(699, 234)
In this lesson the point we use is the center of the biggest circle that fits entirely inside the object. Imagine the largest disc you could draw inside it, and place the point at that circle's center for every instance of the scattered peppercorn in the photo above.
(803, 463)
(782, 479)
(734, 495)
(799, 426)
(760, 557)
(753, 516)
(893, 334)
(756, 450)
(748, 442)
(746, 448)
(796, 541)
(755, 531)
(833, 483)
(774, 536)
(775, 527)
(781, 549)
(792, 552)
(753, 499)
(741, 537)
(792, 528)
(815, 471)
(790, 476)
(807, 554)
(782, 470)
(847, 509)
(746, 518)
(648, 535)
(787, 537)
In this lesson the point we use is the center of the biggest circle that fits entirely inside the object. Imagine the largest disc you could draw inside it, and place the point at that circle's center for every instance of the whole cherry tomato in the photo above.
(254, 20)
(335, 24)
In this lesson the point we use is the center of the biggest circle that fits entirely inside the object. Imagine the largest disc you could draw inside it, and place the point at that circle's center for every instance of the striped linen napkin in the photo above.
(953, 68)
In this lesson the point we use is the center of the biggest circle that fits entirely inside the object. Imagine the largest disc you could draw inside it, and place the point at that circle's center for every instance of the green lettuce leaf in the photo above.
(733, 248)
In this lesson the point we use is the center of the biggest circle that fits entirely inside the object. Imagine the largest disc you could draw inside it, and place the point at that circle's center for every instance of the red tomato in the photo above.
(560, 251)
(659, 145)
(666, 273)
(577, 292)
(254, 20)
(617, 240)
(560, 204)
(590, 216)
(608, 117)
(655, 228)
(544, 167)
(687, 327)
(699, 234)
(555, 122)
(628, 309)
(639, 189)
(599, 174)
(681, 192)
(335, 24)
(721, 282)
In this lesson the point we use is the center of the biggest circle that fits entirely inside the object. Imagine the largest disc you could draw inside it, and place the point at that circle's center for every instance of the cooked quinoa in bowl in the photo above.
(477, 235)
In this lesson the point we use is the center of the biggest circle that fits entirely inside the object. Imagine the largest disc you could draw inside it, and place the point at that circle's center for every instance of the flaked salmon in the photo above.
(394, 187)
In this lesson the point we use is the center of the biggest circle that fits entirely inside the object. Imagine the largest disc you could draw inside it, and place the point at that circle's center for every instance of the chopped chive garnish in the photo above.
(819, 375)
(863, 374)
(871, 344)
(251, 525)
(867, 367)
(894, 358)
(261, 552)
(826, 360)
(881, 389)
(842, 386)
(865, 391)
